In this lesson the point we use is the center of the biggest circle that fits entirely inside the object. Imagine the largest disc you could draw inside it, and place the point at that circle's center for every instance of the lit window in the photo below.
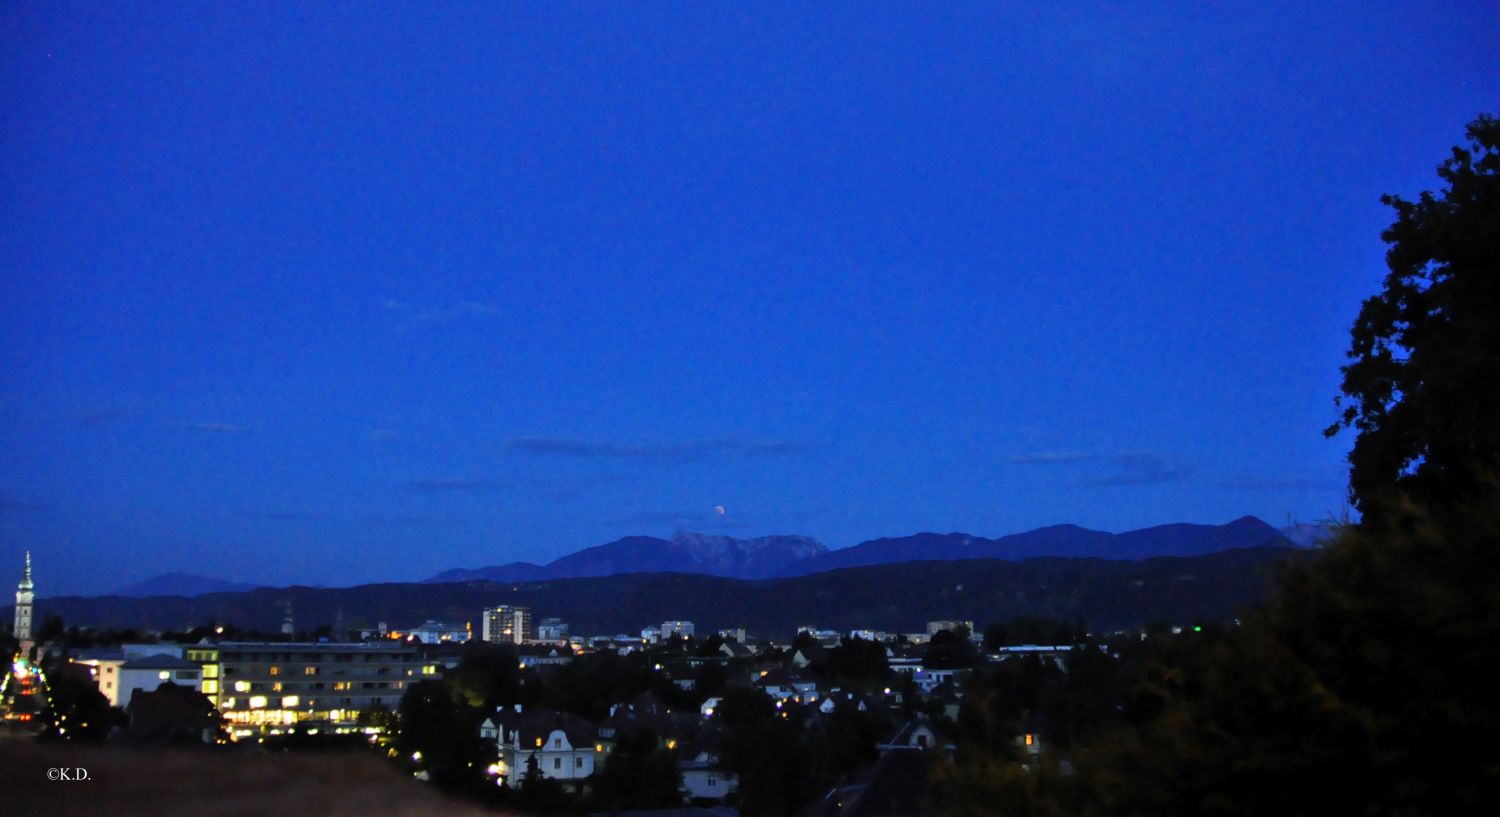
(241, 686)
(258, 702)
(275, 671)
(1030, 738)
(164, 675)
(289, 701)
(276, 687)
(310, 671)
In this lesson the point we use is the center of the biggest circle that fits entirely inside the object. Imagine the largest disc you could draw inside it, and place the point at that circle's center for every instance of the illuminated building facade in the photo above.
(147, 673)
(271, 685)
(552, 629)
(566, 748)
(507, 625)
(206, 656)
(437, 632)
(681, 629)
(25, 594)
(955, 626)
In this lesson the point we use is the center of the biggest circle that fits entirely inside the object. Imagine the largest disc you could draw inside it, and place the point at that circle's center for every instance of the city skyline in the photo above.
(308, 296)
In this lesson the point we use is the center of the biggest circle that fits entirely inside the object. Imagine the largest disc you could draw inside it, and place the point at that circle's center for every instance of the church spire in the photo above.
(25, 592)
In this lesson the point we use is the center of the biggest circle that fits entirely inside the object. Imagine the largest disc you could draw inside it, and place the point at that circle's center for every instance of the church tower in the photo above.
(24, 595)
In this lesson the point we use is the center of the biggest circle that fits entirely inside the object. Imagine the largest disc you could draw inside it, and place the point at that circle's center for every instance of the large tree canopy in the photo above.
(1422, 388)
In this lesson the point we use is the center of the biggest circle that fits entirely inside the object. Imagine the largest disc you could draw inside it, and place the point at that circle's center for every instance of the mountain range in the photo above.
(685, 552)
(1107, 593)
(181, 584)
(785, 556)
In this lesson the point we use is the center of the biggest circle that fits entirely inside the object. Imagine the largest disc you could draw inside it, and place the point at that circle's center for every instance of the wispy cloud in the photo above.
(1056, 457)
(676, 520)
(281, 516)
(9, 505)
(211, 428)
(455, 485)
(1282, 483)
(1131, 467)
(1144, 468)
(441, 314)
(548, 487)
(407, 520)
(686, 451)
(104, 417)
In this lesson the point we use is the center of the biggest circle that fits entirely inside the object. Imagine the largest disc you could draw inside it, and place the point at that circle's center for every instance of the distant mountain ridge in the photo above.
(783, 556)
(1108, 594)
(685, 552)
(181, 584)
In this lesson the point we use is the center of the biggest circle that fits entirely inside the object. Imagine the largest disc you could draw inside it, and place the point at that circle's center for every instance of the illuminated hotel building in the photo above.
(507, 625)
(269, 685)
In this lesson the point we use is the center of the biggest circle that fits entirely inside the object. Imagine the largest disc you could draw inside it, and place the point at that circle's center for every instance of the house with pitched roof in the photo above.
(566, 748)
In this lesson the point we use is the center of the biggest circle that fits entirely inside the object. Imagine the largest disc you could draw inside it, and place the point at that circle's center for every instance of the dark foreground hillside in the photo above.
(1107, 594)
(126, 782)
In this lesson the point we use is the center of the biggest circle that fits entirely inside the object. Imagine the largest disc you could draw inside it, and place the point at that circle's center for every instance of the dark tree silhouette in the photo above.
(1421, 388)
(639, 775)
(78, 710)
(1361, 685)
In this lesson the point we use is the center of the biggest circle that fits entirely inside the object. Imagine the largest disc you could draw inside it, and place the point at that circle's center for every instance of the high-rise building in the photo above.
(552, 629)
(954, 626)
(25, 593)
(681, 629)
(506, 625)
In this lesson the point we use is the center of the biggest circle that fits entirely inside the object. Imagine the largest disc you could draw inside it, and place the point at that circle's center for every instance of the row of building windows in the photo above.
(280, 686)
(276, 670)
(291, 702)
(317, 658)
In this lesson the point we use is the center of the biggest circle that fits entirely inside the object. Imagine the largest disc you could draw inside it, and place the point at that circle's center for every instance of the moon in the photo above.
(719, 509)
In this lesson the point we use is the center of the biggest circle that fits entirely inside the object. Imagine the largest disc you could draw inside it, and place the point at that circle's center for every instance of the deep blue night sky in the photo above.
(334, 294)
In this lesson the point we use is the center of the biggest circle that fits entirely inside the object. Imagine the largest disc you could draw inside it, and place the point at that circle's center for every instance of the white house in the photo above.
(104, 668)
(929, 679)
(565, 748)
(735, 649)
(837, 699)
(783, 686)
(704, 778)
(148, 673)
(439, 632)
